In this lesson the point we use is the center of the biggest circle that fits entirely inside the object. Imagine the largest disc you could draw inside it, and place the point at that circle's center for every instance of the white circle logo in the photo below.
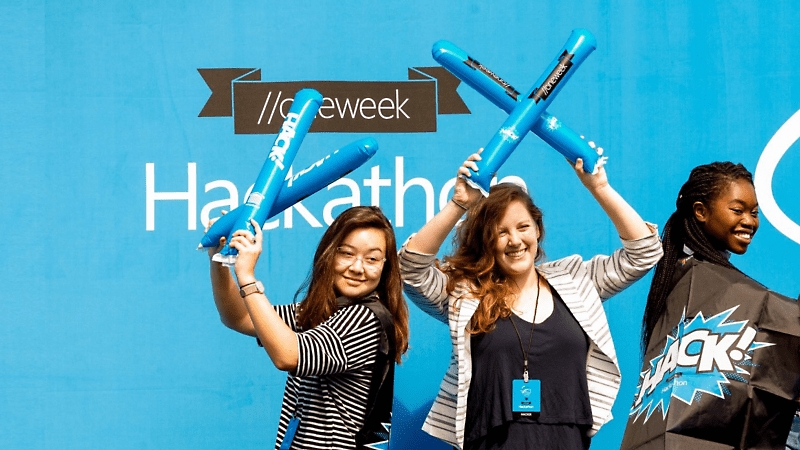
(786, 135)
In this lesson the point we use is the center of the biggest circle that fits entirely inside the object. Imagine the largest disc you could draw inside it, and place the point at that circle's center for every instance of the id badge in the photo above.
(291, 429)
(526, 399)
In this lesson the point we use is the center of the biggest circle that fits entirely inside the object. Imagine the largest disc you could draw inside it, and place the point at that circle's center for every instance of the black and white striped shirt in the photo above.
(330, 386)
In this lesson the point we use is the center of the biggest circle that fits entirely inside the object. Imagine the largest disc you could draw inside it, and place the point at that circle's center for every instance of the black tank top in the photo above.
(557, 358)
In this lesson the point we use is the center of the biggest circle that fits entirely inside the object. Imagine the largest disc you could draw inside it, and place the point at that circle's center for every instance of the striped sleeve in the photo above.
(287, 313)
(424, 283)
(612, 274)
(347, 341)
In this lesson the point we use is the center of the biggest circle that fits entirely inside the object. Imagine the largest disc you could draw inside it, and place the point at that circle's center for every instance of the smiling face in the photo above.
(731, 219)
(517, 241)
(358, 262)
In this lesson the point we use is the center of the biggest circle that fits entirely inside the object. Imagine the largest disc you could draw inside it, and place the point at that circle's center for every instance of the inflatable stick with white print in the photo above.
(551, 130)
(301, 185)
(527, 113)
(270, 180)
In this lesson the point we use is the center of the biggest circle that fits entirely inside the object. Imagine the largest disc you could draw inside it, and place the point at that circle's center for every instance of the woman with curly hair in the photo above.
(523, 331)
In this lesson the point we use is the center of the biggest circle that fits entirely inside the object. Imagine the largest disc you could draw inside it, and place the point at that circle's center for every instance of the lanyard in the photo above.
(530, 338)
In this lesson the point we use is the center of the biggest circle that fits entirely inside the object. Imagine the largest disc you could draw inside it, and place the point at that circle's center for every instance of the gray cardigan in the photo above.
(582, 285)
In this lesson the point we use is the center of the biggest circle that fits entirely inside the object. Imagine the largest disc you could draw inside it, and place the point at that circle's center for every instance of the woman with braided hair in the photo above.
(737, 392)
(716, 214)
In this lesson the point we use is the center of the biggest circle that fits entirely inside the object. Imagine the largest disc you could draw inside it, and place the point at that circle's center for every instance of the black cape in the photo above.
(722, 369)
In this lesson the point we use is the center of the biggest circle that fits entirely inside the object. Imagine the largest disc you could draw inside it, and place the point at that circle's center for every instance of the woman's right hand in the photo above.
(249, 247)
(431, 236)
(465, 195)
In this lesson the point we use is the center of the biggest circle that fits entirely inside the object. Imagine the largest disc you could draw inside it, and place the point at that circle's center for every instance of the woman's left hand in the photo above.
(463, 194)
(592, 181)
(249, 248)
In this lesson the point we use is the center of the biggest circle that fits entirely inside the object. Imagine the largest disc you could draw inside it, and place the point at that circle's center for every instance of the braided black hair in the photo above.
(705, 183)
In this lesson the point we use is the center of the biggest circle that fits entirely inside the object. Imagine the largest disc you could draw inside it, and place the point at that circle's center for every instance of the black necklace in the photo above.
(530, 338)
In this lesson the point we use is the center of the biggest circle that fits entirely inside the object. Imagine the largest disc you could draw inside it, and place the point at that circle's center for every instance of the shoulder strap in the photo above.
(378, 415)
(384, 316)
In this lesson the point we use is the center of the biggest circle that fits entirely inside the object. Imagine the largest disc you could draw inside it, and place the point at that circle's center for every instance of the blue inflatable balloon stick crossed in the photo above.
(526, 113)
(273, 191)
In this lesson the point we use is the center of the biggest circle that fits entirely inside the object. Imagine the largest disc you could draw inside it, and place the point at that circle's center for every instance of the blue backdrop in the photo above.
(110, 338)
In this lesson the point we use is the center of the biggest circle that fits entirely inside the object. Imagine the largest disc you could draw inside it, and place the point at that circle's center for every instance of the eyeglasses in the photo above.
(346, 258)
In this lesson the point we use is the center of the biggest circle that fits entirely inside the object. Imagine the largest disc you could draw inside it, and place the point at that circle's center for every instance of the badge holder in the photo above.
(526, 399)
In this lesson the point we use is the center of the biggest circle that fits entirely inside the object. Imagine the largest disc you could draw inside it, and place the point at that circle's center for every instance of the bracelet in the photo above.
(460, 205)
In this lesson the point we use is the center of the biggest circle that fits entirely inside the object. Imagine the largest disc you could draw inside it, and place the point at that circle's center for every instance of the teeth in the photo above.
(515, 253)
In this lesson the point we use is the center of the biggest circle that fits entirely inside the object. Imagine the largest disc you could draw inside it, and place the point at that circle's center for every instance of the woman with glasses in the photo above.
(533, 364)
(339, 344)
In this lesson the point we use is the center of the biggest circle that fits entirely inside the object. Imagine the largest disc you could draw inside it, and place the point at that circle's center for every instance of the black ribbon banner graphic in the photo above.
(259, 107)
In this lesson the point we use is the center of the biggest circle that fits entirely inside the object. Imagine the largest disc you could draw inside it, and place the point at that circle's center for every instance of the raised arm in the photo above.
(229, 303)
(278, 339)
(252, 315)
(431, 236)
(627, 221)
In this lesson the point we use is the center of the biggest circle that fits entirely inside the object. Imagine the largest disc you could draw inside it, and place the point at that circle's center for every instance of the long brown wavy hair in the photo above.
(473, 258)
(319, 302)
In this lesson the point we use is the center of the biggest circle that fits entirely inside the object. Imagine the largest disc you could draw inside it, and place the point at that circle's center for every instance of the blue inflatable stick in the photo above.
(302, 184)
(504, 96)
(324, 172)
(526, 113)
(270, 180)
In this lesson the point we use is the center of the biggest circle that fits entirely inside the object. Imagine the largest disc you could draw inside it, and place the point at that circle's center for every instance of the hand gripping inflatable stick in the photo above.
(302, 184)
(529, 114)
